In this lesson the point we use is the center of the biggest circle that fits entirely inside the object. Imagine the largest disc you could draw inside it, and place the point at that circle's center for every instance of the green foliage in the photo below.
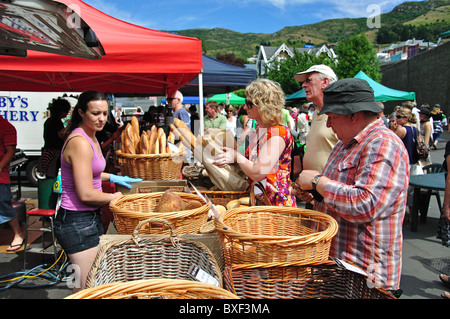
(284, 70)
(357, 53)
(391, 33)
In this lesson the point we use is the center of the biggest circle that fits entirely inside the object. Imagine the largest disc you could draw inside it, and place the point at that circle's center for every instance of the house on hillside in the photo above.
(404, 50)
(267, 56)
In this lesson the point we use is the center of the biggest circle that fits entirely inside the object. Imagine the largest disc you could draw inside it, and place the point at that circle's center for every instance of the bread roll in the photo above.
(170, 202)
(193, 204)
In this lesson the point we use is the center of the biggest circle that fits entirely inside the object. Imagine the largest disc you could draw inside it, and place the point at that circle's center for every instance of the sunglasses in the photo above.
(171, 99)
(249, 104)
(309, 80)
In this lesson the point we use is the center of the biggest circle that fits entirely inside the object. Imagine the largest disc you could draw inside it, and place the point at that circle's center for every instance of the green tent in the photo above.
(383, 93)
(297, 96)
(232, 99)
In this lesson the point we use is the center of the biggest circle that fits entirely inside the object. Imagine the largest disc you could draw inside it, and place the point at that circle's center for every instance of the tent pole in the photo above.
(200, 95)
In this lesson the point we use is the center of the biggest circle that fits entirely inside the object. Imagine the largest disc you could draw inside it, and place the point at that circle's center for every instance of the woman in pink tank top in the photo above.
(78, 222)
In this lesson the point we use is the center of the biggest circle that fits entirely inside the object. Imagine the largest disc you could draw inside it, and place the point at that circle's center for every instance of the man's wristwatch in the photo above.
(315, 181)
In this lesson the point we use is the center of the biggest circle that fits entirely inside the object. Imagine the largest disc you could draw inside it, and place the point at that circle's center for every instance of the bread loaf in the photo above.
(153, 139)
(144, 144)
(136, 135)
(129, 140)
(186, 133)
(170, 202)
(162, 141)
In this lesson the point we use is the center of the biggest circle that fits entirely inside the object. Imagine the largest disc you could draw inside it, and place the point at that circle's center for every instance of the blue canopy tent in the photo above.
(383, 93)
(188, 100)
(217, 77)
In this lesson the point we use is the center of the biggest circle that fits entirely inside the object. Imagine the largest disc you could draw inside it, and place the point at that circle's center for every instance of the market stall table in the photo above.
(435, 181)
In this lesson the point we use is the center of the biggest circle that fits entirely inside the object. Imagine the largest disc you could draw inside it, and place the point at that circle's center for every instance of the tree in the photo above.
(230, 59)
(355, 54)
(283, 71)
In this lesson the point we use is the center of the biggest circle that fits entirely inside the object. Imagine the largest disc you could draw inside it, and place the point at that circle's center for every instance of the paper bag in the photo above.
(227, 178)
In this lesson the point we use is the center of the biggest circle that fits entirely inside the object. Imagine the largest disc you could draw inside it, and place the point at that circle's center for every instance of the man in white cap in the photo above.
(320, 139)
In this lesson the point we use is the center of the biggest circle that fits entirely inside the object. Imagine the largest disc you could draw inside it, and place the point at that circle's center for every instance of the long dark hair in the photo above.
(82, 105)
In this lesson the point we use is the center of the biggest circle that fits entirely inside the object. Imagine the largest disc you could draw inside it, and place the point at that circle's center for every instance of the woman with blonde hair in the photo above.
(268, 157)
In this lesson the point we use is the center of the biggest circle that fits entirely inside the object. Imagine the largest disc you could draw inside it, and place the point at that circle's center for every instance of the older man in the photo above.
(320, 139)
(364, 183)
(179, 112)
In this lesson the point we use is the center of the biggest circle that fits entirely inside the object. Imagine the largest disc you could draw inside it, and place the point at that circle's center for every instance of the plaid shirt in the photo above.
(367, 196)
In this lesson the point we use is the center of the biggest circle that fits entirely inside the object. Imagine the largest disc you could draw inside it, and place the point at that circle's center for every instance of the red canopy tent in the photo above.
(137, 60)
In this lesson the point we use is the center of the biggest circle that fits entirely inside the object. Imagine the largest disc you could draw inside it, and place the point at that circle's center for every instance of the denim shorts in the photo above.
(7, 212)
(77, 231)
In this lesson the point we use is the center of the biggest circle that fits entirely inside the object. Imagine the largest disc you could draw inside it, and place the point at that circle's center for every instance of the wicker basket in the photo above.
(150, 167)
(154, 289)
(265, 234)
(223, 197)
(130, 209)
(324, 280)
(153, 256)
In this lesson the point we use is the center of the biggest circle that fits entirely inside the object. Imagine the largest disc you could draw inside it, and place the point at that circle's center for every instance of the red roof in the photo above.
(137, 60)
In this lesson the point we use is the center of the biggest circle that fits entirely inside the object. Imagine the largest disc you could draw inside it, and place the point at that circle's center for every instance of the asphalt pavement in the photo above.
(424, 258)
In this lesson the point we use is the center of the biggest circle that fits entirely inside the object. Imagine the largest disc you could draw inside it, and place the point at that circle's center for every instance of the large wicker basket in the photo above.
(150, 166)
(265, 234)
(153, 256)
(154, 289)
(324, 280)
(130, 209)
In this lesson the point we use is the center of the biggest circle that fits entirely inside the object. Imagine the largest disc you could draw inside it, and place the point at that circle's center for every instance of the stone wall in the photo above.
(427, 74)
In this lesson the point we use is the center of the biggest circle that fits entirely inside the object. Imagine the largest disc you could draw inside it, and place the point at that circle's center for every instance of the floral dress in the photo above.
(278, 185)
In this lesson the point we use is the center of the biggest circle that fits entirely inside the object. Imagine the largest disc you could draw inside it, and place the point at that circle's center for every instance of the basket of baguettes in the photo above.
(267, 234)
(147, 155)
(186, 212)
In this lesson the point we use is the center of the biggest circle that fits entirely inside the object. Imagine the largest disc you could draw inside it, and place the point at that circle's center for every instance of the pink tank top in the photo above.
(69, 197)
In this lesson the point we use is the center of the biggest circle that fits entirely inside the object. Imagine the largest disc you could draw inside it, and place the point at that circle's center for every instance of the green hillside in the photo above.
(430, 14)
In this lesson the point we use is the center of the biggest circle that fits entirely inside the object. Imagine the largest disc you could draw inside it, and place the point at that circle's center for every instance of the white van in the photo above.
(27, 111)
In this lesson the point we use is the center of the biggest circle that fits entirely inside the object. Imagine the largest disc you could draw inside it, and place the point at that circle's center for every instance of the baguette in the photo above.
(186, 133)
(129, 140)
(153, 139)
(136, 133)
(179, 136)
(162, 139)
(144, 144)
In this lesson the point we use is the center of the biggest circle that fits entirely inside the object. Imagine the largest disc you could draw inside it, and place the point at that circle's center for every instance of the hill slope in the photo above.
(245, 45)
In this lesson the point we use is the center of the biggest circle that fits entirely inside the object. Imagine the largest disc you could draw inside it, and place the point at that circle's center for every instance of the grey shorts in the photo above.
(77, 231)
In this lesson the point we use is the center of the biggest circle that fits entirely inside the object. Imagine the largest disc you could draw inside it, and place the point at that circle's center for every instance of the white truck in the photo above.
(27, 111)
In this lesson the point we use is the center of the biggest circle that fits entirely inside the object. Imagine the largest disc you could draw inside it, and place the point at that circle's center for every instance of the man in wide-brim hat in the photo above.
(364, 183)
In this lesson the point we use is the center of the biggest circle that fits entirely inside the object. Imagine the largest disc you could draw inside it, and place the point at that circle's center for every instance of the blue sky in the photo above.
(259, 16)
